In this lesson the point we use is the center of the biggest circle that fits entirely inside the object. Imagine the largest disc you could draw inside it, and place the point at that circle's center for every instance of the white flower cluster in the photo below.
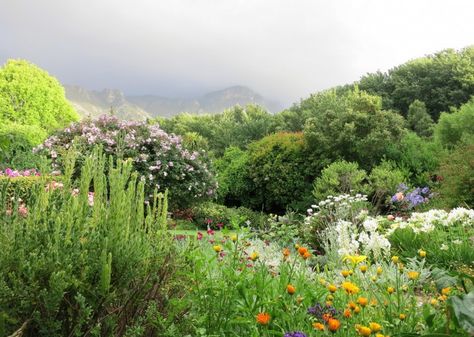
(426, 222)
(348, 239)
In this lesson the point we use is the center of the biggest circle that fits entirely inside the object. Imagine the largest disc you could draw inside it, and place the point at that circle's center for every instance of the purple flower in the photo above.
(294, 334)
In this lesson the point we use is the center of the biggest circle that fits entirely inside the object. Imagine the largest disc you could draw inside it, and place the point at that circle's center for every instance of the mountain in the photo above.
(94, 103)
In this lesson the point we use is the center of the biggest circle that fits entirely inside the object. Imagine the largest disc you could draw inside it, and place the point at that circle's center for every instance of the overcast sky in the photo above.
(283, 49)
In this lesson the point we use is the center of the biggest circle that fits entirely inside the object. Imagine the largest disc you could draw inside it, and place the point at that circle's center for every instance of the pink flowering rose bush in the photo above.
(159, 157)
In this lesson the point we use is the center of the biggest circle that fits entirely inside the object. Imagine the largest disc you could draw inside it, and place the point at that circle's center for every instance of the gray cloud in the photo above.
(281, 48)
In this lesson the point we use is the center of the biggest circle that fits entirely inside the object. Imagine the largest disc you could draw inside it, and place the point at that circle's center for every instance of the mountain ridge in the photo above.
(92, 103)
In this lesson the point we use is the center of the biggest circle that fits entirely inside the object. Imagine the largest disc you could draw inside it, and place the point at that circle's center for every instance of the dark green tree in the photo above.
(419, 120)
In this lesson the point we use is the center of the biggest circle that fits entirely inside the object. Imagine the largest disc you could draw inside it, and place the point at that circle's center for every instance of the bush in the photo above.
(341, 177)
(280, 173)
(219, 216)
(73, 265)
(456, 127)
(383, 182)
(457, 172)
(160, 158)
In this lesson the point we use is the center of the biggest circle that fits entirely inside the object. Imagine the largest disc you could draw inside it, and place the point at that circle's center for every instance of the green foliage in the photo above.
(383, 182)
(350, 127)
(463, 308)
(16, 145)
(212, 214)
(232, 176)
(72, 266)
(442, 80)
(20, 187)
(236, 126)
(417, 156)
(30, 96)
(419, 120)
(280, 173)
(341, 177)
(456, 127)
(457, 171)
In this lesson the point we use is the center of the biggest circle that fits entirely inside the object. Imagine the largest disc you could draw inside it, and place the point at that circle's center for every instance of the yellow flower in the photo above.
(330, 298)
(379, 335)
(422, 253)
(395, 259)
(299, 299)
(373, 302)
(346, 273)
(402, 317)
(390, 290)
(363, 268)
(364, 330)
(254, 256)
(217, 248)
(373, 278)
(355, 259)
(375, 327)
(329, 303)
(405, 287)
(322, 282)
(318, 326)
(233, 237)
(379, 270)
(350, 288)
(434, 302)
(401, 266)
(363, 301)
(332, 288)
(442, 298)
(356, 309)
(413, 275)
(446, 291)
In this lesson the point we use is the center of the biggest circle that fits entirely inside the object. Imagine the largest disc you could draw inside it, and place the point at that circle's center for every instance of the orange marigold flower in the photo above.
(306, 255)
(356, 310)
(446, 291)
(302, 250)
(350, 288)
(352, 305)
(326, 317)
(286, 252)
(346, 273)
(332, 288)
(347, 313)
(290, 289)
(373, 302)
(263, 318)
(318, 326)
(402, 317)
(333, 324)
(413, 275)
(363, 301)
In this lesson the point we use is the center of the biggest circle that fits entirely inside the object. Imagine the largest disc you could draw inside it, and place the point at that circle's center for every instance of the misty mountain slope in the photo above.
(95, 103)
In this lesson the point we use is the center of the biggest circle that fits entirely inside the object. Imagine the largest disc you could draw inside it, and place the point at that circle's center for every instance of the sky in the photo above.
(283, 49)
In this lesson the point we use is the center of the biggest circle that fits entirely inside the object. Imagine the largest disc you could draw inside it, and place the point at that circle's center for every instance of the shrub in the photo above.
(457, 172)
(219, 216)
(383, 182)
(73, 266)
(280, 173)
(341, 177)
(160, 158)
(456, 127)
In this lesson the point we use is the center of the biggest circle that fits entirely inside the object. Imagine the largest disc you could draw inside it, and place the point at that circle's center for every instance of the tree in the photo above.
(456, 127)
(442, 80)
(30, 96)
(419, 120)
(351, 127)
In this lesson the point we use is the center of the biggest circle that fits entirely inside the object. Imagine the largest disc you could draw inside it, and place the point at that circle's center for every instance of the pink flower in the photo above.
(399, 196)
(75, 192)
(199, 236)
(390, 217)
(210, 231)
(90, 199)
(220, 225)
(22, 210)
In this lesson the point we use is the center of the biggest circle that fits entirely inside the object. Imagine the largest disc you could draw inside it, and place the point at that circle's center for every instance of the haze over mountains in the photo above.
(94, 103)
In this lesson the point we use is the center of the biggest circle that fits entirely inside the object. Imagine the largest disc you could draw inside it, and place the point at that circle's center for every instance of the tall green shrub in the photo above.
(78, 263)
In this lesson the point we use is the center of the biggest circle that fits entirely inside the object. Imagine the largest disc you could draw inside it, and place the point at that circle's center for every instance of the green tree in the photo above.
(351, 127)
(456, 127)
(442, 80)
(30, 96)
(419, 120)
